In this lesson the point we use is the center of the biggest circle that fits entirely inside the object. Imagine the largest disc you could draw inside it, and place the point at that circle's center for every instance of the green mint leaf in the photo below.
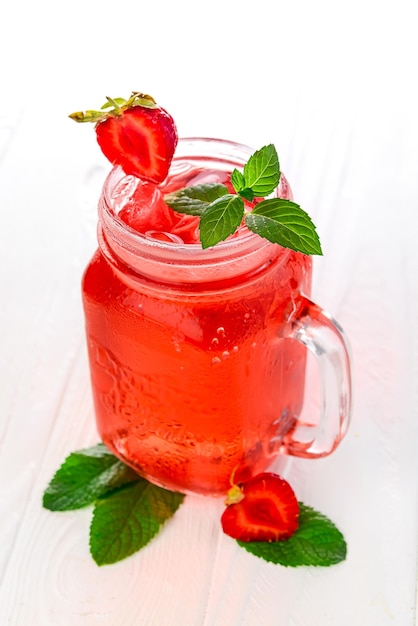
(85, 476)
(126, 520)
(238, 183)
(317, 542)
(237, 180)
(247, 193)
(220, 219)
(262, 171)
(194, 200)
(284, 222)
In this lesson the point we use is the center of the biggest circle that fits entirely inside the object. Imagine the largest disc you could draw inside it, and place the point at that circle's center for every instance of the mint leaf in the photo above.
(126, 520)
(316, 542)
(284, 222)
(85, 476)
(238, 183)
(237, 180)
(262, 171)
(194, 200)
(247, 193)
(220, 219)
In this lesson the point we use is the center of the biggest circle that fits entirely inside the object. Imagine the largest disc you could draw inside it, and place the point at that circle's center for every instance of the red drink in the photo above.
(192, 383)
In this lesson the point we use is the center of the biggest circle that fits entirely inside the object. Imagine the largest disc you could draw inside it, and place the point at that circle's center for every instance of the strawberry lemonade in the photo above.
(196, 308)
(191, 383)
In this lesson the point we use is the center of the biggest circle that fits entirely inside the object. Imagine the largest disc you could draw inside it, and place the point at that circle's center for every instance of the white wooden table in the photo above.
(333, 89)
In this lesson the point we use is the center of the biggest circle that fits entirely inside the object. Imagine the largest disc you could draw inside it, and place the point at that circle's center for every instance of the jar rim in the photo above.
(186, 148)
(127, 242)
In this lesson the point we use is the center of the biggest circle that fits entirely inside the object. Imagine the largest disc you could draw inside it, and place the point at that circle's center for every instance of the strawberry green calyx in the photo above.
(114, 107)
(234, 495)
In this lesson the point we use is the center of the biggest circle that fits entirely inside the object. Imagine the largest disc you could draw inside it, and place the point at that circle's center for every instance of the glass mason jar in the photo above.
(198, 357)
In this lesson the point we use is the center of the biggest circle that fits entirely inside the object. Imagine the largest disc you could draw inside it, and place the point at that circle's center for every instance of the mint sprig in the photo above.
(279, 220)
(317, 542)
(129, 512)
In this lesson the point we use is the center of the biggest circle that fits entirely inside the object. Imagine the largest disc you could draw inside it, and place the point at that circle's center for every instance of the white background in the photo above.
(332, 84)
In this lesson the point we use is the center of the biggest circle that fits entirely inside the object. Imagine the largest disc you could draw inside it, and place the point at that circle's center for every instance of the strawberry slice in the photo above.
(265, 508)
(136, 134)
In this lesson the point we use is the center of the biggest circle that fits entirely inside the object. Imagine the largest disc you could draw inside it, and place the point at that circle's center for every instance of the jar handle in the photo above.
(323, 336)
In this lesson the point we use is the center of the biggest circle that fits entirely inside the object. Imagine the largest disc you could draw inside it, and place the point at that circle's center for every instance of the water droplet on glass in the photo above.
(177, 339)
(216, 360)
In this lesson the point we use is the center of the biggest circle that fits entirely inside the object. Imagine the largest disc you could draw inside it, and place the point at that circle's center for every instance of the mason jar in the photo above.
(198, 356)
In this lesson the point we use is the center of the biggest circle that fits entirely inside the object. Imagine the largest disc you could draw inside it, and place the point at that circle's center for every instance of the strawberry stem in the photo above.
(115, 104)
(114, 107)
(234, 495)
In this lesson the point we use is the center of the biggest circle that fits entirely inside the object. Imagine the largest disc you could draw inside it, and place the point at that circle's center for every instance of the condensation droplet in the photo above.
(215, 341)
(221, 331)
(235, 349)
(177, 339)
(225, 354)
(216, 360)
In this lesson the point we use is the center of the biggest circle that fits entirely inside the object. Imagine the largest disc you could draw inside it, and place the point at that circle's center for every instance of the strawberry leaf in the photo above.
(284, 222)
(194, 200)
(113, 103)
(85, 476)
(86, 116)
(126, 520)
(316, 542)
(220, 219)
(262, 171)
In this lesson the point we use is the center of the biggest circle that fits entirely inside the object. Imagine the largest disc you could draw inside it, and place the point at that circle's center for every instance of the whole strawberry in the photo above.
(265, 508)
(136, 134)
